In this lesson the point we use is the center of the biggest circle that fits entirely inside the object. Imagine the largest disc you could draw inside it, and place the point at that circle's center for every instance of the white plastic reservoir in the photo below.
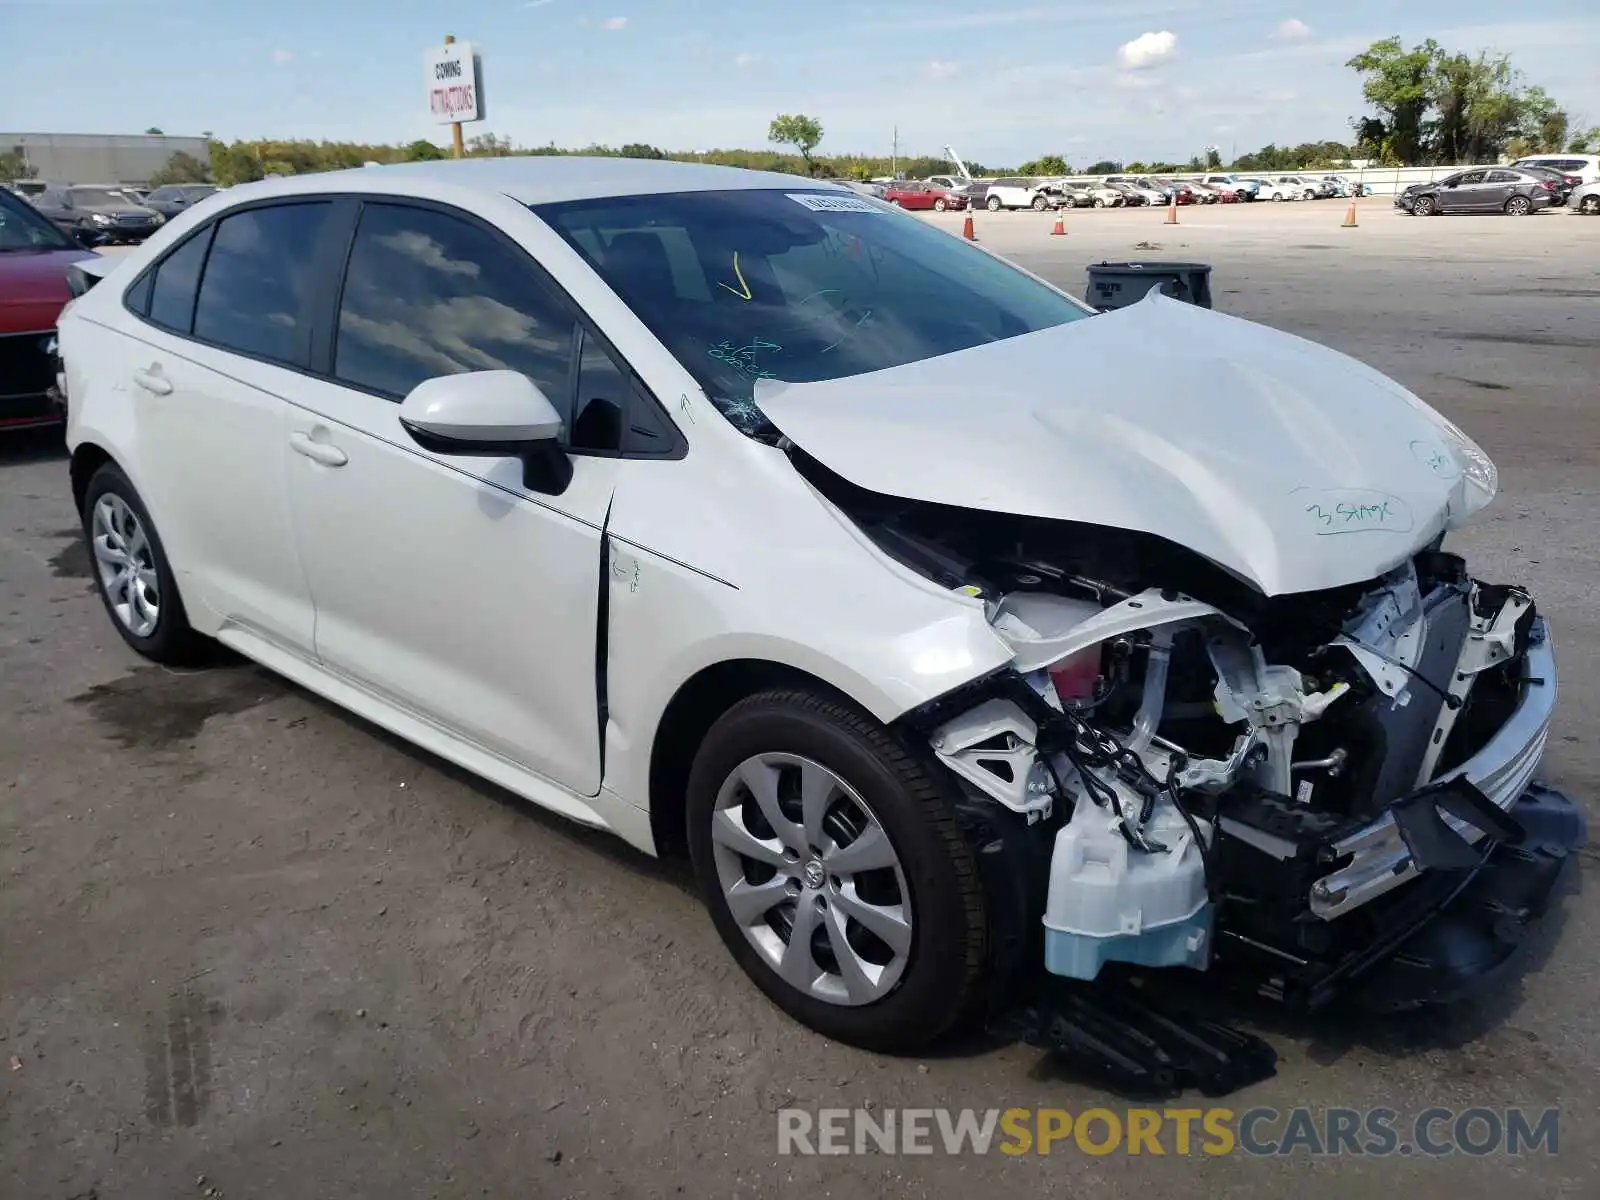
(1110, 902)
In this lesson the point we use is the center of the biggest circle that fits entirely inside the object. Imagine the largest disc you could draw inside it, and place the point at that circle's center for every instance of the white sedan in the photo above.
(748, 517)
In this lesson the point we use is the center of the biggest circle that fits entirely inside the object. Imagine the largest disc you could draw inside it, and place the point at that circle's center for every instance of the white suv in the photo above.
(1585, 166)
(748, 516)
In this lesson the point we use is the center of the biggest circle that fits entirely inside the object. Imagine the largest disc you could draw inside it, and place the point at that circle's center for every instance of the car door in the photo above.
(222, 334)
(1463, 192)
(441, 583)
(1498, 187)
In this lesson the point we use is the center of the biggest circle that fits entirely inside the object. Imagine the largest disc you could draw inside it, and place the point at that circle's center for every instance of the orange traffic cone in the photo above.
(1350, 217)
(1061, 227)
(1172, 210)
(967, 230)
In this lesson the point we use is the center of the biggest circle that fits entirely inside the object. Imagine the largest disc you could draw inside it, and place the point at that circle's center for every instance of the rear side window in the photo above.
(1504, 177)
(172, 295)
(429, 294)
(257, 282)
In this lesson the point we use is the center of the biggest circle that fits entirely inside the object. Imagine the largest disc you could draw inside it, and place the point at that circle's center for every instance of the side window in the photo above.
(257, 282)
(429, 294)
(137, 298)
(1503, 177)
(172, 295)
(1471, 177)
(160, 195)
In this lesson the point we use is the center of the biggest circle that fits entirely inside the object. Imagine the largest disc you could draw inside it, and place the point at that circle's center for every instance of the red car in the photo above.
(34, 256)
(913, 193)
(1169, 186)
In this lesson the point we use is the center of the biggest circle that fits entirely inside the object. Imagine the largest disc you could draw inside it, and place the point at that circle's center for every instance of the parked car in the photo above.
(1499, 189)
(34, 257)
(958, 734)
(914, 194)
(1586, 199)
(176, 198)
(1132, 197)
(1585, 166)
(27, 188)
(1244, 189)
(1140, 187)
(1065, 194)
(1013, 191)
(948, 183)
(1284, 187)
(1203, 193)
(1103, 195)
(1174, 187)
(1299, 187)
(100, 213)
(1565, 184)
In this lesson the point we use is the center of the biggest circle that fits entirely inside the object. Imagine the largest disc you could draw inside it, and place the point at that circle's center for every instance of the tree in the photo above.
(15, 165)
(1105, 167)
(1398, 83)
(801, 132)
(422, 150)
(1048, 164)
(640, 150)
(1213, 158)
(181, 168)
(1586, 142)
(1542, 122)
(153, 131)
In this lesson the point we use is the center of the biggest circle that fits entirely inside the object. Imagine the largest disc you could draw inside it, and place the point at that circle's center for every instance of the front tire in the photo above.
(993, 204)
(808, 817)
(939, 206)
(132, 574)
(1590, 205)
(1423, 206)
(1040, 204)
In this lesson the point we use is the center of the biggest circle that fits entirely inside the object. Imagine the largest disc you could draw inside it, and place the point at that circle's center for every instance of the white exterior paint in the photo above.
(440, 598)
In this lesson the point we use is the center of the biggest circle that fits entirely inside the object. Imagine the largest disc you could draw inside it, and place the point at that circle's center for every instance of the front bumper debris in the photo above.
(1379, 858)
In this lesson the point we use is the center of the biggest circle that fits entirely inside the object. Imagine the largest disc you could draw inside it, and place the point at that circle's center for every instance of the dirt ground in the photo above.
(252, 947)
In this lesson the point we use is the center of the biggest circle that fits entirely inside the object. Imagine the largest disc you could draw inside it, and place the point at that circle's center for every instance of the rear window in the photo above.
(798, 286)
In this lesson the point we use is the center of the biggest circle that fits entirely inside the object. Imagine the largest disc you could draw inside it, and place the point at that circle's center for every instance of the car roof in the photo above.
(531, 179)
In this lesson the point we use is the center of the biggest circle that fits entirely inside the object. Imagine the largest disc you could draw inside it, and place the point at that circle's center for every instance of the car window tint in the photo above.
(429, 294)
(257, 280)
(602, 402)
(137, 298)
(172, 295)
(1471, 177)
(1503, 177)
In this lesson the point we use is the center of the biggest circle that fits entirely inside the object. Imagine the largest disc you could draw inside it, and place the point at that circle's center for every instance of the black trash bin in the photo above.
(1119, 284)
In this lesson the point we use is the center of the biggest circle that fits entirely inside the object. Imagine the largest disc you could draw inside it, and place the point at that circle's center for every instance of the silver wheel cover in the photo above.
(126, 565)
(808, 873)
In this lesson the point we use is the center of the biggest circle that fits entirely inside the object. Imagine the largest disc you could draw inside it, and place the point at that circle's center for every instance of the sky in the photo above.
(1088, 79)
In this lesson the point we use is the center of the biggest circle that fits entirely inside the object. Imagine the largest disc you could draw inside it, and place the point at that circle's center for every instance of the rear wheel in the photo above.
(830, 858)
(994, 204)
(1519, 206)
(132, 573)
(939, 205)
(1099, 203)
(1590, 205)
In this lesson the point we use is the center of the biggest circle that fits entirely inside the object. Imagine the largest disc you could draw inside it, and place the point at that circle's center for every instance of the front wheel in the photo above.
(994, 204)
(132, 574)
(830, 858)
(1099, 203)
(1518, 206)
(1590, 205)
(1423, 206)
(1040, 204)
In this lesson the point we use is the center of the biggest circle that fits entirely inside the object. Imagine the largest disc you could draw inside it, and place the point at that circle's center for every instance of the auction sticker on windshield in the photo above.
(818, 203)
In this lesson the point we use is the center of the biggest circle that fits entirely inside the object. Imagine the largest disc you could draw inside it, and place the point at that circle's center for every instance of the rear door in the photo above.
(223, 334)
(1499, 187)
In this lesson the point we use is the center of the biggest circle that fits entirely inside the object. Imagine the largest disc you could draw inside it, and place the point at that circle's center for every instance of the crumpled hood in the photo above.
(1293, 466)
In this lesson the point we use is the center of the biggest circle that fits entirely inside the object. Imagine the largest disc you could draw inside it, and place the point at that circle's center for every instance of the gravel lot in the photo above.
(249, 938)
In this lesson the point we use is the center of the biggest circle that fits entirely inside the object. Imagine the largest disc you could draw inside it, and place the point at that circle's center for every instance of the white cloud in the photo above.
(281, 56)
(746, 59)
(1148, 50)
(616, 22)
(940, 69)
(1292, 30)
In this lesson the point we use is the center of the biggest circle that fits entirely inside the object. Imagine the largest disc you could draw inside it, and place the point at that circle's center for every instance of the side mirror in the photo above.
(489, 413)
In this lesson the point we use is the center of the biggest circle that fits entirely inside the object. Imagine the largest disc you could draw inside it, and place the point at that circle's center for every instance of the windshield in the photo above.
(22, 227)
(95, 197)
(798, 286)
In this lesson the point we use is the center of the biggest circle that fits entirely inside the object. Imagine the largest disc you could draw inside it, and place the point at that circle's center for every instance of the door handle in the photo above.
(153, 381)
(322, 452)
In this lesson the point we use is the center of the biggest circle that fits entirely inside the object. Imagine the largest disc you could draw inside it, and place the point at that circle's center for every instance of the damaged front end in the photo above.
(1329, 794)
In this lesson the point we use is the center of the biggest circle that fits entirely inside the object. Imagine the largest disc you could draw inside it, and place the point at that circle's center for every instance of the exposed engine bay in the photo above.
(1201, 773)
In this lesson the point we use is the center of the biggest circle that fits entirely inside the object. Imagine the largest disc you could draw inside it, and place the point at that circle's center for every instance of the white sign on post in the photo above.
(455, 83)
